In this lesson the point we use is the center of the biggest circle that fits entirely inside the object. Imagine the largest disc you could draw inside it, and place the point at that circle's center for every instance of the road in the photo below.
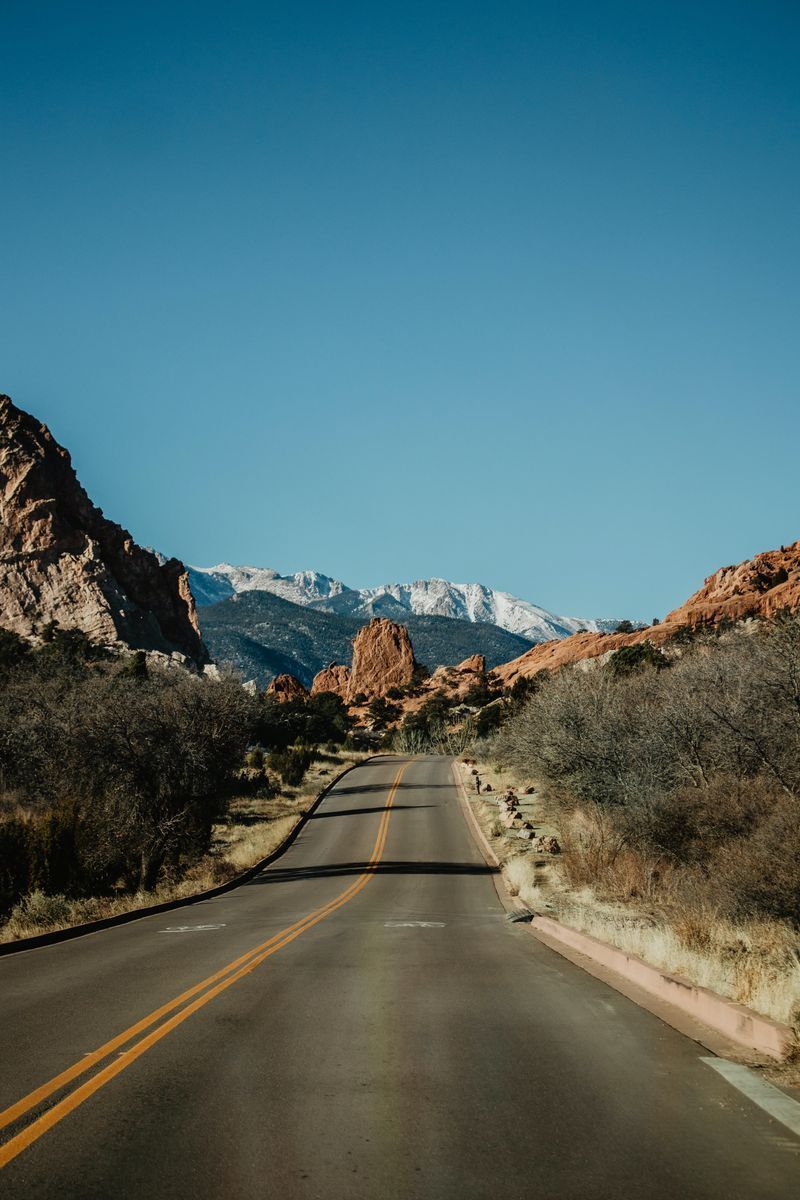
(401, 1039)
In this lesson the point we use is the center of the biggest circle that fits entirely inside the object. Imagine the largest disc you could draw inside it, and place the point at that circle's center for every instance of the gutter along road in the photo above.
(359, 1020)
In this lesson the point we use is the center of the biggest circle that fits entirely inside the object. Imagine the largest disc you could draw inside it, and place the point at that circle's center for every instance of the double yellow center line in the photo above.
(188, 1002)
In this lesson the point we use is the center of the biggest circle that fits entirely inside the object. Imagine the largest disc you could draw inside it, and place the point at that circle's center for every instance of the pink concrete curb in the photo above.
(483, 842)
(736, 1022)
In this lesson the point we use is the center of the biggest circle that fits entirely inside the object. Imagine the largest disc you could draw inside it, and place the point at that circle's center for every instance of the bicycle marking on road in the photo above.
(191, 928)
(414, 924)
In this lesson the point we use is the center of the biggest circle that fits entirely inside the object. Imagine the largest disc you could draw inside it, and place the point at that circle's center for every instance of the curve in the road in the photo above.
(215, 984)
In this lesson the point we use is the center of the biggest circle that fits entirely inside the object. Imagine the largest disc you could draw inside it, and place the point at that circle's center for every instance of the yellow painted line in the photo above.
(222, 980)
(15, 1111)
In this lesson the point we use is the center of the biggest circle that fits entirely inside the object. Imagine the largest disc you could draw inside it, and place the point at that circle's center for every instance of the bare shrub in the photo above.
(123, 772)
(679, 781)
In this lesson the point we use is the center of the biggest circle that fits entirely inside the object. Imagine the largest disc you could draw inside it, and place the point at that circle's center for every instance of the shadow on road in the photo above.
(381, 788)
(354, 812)
(287, 875)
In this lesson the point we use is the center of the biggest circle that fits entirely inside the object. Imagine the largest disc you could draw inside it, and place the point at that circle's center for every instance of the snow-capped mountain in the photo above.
(425, 597)
(210, 584)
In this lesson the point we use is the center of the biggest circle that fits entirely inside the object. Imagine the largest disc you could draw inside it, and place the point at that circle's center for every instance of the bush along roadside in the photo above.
(123, 784)
(673, 789)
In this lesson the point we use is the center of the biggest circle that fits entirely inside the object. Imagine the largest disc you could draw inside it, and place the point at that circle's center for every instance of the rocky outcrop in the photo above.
(457, 682)
(475, 664)
(383, 658)
(334, 678)
(759, 587)
(550, 656)
(61, 560)
(286, 689)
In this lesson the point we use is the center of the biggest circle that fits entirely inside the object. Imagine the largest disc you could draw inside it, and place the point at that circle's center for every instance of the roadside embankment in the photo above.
(742, 979)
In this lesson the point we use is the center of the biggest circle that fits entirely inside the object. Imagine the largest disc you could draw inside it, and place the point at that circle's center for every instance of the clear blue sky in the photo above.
(495, 291)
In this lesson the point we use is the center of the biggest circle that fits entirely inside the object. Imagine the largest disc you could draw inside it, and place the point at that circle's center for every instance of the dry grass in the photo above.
(255, 843)
(256, 826)
(524, 879)
(755, 963)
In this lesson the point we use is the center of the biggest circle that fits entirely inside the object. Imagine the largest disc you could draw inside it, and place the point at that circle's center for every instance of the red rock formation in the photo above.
(383, 658)
(286, 688)
(760, 587)
(61, 560)
(456, 682)
(334, 678)
(475, 663)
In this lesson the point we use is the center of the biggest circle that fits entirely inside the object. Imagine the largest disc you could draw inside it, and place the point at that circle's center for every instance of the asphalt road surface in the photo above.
(360, 1020)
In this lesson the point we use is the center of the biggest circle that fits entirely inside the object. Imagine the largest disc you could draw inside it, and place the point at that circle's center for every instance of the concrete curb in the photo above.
(510, 903)
(733, 1021)
(136, 914)
(483, 841)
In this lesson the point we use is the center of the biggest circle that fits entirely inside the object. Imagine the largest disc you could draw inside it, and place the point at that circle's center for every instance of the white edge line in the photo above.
(771, 1099)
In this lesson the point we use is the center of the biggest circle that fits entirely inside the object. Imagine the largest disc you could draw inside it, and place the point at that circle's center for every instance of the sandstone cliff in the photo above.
(383, 658)
(286, 688)
(759, 587)
(335, 678)
(475, 664)
(61, 560)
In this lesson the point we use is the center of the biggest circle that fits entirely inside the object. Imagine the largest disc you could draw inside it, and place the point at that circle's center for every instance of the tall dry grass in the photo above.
(754, 963)
(602, 887)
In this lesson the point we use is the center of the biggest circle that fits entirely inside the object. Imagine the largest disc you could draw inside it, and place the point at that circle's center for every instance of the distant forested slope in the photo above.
(261, 636)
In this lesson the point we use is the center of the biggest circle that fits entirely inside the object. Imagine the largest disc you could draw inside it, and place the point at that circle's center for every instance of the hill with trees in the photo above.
(262, 635)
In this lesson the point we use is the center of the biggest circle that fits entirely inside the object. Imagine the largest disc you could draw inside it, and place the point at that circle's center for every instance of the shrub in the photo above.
(291, 764)
(123, 776)
(134, 666)
(489, 719)
(15, 872)
(690, 776)
(38, 908)
(320, 718)
(480, 693)
(13, 649)
(635, 658)
(382, 711)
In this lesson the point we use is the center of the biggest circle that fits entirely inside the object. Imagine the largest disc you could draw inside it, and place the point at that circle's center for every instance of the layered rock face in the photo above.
(456, 682)
(476, 664)
(334, 678)
(383, 658)
(286, 688)
(62, 560)
(759, 587)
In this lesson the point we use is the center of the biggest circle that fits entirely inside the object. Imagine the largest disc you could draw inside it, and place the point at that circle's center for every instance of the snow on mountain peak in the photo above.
(425, 597)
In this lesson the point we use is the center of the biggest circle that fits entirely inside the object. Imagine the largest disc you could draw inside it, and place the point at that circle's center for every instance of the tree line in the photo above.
(113, 772)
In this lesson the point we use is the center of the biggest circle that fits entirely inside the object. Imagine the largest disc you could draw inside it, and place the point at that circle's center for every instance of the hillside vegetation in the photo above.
(676, 773)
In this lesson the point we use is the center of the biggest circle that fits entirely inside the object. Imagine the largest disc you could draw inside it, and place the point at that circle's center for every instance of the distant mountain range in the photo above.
(467, 602)
(262, 635)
